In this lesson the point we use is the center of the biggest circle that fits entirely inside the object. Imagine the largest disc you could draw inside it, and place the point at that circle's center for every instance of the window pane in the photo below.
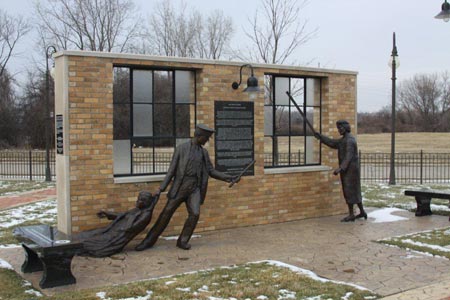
(298, 90)
(142, 120)
(281, 86)
(312, 150)
(183, 120)
(296, 122)
(311, 115)
(268, 120)
(121, 121)
(268, 89)
(313, 92)
(142, 86)
(184, 87)
(122, 157)
(121, 86)
(164, 149)
(281, 120)
(297, 150)
(163, 86)
(268, 151)
(281, 151)
(142, 156)
(163, 123)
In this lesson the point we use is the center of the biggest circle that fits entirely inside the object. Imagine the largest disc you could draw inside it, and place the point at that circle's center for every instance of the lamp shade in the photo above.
(391, 60)
(445, 12)
(252, 85)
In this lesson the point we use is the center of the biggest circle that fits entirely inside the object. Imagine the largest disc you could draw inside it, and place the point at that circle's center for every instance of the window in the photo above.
(288, 141)
(154, 111)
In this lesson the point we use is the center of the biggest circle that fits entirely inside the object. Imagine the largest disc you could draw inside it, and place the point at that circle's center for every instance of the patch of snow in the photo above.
(286, 294)
(9, 246)
(5, 265)
(147, 297)
(204, 288)
(170, 282)
(420, 244)
(262, 297)
(232, 282)
(308, 273)
(33, 292)
(347, 296)
(439, 207)
(43, 211)
(384, 215)
(102, 295)
(188, 289)
(175, 237)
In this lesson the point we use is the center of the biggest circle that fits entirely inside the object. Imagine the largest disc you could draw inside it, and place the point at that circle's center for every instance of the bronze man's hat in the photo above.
(203, 130)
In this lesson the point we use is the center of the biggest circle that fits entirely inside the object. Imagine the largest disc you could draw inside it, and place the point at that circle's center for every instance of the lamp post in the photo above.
(48, 52)
(445, 12)
(394, 64)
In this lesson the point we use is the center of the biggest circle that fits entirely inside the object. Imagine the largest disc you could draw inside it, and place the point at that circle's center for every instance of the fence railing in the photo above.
(416, 167)
(25, 165)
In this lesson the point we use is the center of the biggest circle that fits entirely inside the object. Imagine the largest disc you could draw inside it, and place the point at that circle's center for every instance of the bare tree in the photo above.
(97, 25)
(175, 32)
(426, 97)
(278, 30)
(12, 30)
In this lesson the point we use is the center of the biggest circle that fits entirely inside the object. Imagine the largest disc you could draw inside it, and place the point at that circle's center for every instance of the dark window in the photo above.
(154, 111)
(288, 141)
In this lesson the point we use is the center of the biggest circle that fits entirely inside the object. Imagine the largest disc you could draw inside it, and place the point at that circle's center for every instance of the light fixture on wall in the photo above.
(252, 81)
(445, 12)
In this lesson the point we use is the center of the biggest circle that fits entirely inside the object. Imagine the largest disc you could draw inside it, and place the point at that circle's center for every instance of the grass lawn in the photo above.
(263, 280)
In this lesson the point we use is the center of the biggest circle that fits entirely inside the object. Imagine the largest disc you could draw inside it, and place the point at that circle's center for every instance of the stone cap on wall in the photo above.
(195, 61)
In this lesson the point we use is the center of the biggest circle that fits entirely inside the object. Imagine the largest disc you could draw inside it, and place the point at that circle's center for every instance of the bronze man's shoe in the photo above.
(350, 218)
(142, 246)
(184, 246)
(362, 215)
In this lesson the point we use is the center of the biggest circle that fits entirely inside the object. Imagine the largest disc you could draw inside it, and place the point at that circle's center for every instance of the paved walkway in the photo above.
(334, 250)
(27, 197)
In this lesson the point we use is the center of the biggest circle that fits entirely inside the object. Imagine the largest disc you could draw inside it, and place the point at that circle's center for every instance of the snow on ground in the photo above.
(5, 265)
(385, 215)
(45, 211)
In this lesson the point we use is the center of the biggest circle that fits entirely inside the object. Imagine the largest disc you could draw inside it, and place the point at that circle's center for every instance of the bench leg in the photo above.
(57, 271)
(423, 206)
(32, 262)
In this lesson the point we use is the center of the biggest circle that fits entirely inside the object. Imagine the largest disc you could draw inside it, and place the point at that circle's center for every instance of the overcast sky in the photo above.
(352, 35)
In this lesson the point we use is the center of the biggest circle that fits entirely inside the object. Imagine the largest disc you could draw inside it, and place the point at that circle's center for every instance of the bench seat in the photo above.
(50, 251)
(423, 199)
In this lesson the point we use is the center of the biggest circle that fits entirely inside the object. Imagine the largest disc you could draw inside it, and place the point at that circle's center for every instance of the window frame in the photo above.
(291, 108)
(174, 105)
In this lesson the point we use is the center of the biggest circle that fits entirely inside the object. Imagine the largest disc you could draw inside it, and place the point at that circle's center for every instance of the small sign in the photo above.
(59, 135)
(234, 137)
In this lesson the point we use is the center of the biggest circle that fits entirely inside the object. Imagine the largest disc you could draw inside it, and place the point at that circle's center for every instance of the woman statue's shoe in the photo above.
(349, 218)
(362, 215)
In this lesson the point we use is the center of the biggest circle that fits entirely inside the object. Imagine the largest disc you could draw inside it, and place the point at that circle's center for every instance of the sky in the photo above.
(354, 35)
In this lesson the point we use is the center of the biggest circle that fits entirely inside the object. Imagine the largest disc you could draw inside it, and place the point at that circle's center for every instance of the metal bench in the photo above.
(50, 251)
(423, 199)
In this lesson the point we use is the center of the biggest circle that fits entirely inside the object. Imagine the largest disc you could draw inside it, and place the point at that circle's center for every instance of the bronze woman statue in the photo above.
(348, 168)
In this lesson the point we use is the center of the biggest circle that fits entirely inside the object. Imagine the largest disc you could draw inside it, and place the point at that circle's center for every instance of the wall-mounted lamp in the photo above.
(445, 12)
(252, 81)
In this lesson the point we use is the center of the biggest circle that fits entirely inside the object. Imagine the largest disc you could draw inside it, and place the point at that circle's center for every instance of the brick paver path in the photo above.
(27, 197)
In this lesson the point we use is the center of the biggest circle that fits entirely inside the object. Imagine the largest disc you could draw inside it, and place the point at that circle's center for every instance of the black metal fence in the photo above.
(25, 165)
(416, 167)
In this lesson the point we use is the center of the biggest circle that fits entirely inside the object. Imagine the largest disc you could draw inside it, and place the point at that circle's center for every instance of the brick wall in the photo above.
(261, 199)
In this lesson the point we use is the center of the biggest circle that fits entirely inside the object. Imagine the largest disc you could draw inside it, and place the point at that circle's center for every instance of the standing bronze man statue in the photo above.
(348, 168)
(190, 168)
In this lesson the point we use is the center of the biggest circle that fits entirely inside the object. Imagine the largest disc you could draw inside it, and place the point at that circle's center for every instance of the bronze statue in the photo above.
(113, 238)
(190, 168)
(348, 168)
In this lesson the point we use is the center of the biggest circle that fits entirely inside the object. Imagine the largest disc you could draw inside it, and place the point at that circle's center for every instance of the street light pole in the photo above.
(394, 65)
(48, 52)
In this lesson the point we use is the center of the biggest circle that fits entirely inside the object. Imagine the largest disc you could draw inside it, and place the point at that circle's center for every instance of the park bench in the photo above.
(423, 199)
(50, 251)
